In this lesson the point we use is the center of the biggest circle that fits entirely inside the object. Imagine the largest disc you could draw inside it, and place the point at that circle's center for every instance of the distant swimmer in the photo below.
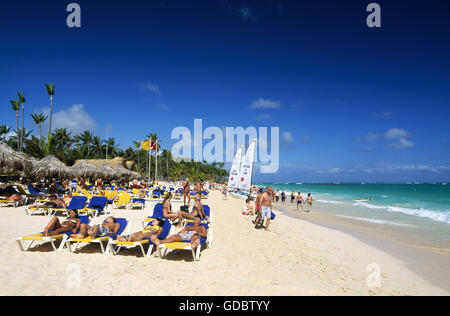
(369, 199)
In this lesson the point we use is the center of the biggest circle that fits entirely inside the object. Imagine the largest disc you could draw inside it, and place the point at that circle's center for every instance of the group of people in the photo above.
(263, 204)
(109, 227)
(296, 198)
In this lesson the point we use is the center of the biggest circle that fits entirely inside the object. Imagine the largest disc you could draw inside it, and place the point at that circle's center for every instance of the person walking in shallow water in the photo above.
(309, 201)
(300, 200)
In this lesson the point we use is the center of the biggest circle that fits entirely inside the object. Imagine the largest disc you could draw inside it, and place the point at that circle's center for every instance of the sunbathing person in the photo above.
(71, 224)
(53, 201)
(189, 233)
(197, 210)
(151, 231)
(108, 227)
(167, 210)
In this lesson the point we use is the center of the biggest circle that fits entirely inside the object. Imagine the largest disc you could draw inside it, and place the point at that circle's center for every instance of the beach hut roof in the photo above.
(12, 160)
(50, 166)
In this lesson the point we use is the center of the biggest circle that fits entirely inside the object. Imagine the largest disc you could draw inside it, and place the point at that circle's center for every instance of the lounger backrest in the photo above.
(77, 203)
(97, 202)
(33, 191)
(158, 211)
(207, 210)
(166, 230)
(138, 201)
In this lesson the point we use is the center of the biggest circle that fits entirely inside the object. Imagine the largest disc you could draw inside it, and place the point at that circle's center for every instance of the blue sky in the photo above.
(352, 103)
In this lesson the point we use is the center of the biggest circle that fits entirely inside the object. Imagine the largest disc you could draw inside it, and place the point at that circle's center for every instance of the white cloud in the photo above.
(265, 104)
(396, 133)
(75, 119)
(372, 137)
(402, 143)
(287, 137)
(150, 87)
(264, 117)
(164, 107)
(384, 114)
(245, 13)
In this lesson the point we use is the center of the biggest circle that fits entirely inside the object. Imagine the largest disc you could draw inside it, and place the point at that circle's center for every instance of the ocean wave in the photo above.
(330, 201)
(423, 213)
(373, 220)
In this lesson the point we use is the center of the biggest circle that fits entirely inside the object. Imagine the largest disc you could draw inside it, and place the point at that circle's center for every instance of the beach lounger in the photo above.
(99, 240)
(33, 191)
(208, 214)
(51, 239)
(96, 206)
(115, 246)
(77, 203)
(186, 245)
(5, 202)
(137, 203)
(123, 202)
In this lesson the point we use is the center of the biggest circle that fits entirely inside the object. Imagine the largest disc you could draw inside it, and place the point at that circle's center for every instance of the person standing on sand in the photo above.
(300, 200)
(309, 201)
(266, 207)
(187, 192)
(283, 197)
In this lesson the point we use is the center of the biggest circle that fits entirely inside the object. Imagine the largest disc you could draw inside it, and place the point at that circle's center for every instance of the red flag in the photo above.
(154, 145)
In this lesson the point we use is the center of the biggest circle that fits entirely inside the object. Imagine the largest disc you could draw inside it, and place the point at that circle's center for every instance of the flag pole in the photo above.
(156, 155)
(149, 162)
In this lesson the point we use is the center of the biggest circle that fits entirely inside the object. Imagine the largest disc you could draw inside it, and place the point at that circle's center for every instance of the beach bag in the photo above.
(272, 216)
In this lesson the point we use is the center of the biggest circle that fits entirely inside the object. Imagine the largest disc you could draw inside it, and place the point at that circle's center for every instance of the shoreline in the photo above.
(422, 259)
(295, 258)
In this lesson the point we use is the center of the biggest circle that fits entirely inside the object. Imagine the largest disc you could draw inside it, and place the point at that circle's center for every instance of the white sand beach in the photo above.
(294, 258)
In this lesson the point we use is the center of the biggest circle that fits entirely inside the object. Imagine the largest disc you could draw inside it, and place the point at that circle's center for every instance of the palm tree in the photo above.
(20, 134)
(97, 146)
(85, 140)
(111, 147)
(137, 145)
(16, 106)
(39, 119)
(51, 92)
(4, 130)
(22, 102)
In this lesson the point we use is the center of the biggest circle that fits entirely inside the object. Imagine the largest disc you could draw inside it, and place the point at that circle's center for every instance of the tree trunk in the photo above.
(17, 123)
(51, 114)
(21, 134)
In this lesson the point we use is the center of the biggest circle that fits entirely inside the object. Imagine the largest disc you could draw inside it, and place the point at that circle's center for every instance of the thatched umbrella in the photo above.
(124, 173)
(84, 169)
(51, 166)
(12, 160)
(108, 173)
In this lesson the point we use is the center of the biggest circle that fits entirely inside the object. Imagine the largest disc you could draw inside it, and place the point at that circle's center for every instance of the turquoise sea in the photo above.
(392, 203)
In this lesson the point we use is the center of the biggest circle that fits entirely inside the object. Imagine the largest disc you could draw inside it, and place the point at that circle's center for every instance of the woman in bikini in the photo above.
(152, 231)
(167, 210)
(71, 224)
(309, 201)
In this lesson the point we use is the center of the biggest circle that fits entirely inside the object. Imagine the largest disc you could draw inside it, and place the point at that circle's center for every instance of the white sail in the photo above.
(245, 174)
(233, 179)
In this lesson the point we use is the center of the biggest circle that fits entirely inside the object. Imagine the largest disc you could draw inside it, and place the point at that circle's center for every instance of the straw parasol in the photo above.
(12, 160)
(51, 166)
(85, 169)
(108, 173)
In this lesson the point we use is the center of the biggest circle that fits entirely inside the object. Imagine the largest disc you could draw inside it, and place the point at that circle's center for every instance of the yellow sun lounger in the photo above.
(43, 239)
(124, 200)
(98, 240)
(115, 246)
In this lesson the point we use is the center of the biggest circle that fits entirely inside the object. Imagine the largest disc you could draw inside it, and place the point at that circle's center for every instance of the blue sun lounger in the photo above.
(96, 206)
(115, 246)
(77, 203)
(98, 240)
(51, 239)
